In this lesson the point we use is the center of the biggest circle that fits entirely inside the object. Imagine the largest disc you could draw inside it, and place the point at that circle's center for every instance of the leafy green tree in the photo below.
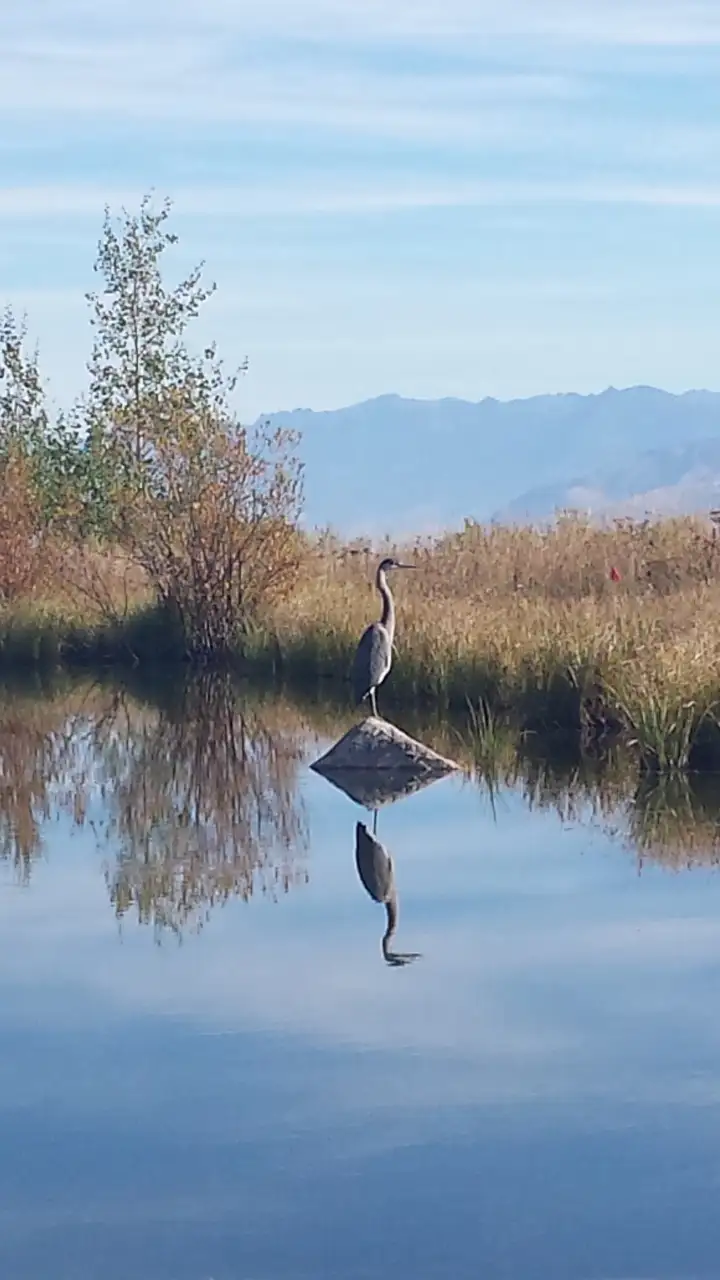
(139, 355)
(152, 461)
(208, 508)
(23, 413)
(56, 459)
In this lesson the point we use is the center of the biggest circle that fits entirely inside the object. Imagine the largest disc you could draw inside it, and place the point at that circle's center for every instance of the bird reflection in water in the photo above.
(377, 874)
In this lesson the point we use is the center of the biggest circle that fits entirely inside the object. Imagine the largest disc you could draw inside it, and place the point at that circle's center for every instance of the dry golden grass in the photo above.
(538, 624)
(577, 628)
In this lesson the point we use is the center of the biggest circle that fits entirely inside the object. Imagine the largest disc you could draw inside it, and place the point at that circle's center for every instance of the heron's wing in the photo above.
(373, 658)
(373, 863)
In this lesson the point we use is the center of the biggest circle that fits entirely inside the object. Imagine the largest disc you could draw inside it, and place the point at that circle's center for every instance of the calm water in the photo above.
(207, 1070)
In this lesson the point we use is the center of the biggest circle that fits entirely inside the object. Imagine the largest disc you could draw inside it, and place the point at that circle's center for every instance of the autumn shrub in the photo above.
(103, 581)
(213, 523)
(25, 554)
(203, 507)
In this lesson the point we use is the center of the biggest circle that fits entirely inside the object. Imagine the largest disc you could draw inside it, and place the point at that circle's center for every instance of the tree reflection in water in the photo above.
(198, 792)
(201, 804)
(45, 765)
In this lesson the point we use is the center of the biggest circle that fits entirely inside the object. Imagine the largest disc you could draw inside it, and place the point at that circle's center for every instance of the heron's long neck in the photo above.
(388, 613)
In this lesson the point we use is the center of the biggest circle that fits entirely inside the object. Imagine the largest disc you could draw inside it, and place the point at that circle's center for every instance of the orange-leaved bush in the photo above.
(211, 517)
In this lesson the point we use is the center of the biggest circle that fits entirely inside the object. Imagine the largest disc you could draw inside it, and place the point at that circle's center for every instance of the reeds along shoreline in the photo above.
(593, 633)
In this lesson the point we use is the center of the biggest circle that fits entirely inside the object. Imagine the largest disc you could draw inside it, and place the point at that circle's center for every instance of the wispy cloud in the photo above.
(443, 140)
(316, 62)
(630, 22)
(323, 198)
(194, 82)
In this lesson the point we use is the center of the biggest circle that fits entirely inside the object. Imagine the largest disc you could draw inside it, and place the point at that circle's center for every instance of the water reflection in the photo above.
(676, 820)
(44, 767)
(195, 792)
(558, 1047)
(672, 821)
(192, 791)
(202, 804)
(374, 788)
(377, 875)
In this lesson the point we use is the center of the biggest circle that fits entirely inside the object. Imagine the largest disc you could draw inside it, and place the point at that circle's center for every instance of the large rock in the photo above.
(375, 763)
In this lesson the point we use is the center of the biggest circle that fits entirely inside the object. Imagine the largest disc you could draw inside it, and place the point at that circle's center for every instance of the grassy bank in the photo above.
(583, 632)
(591, 633)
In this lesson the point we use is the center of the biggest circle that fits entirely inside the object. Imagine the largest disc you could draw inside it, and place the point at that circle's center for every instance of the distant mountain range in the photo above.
(398, 466)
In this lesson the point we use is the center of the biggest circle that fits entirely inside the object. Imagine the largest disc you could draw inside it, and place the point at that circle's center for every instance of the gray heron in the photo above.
(373, 656)
(375, 869)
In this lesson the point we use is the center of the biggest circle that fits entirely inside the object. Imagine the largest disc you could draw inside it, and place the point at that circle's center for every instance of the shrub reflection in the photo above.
(193, 797)
(201, 803)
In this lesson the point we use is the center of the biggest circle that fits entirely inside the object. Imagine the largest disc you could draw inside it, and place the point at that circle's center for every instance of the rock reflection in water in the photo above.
(374, 788)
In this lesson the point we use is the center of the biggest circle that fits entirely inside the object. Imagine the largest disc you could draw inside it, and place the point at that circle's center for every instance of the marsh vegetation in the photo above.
(148, 524)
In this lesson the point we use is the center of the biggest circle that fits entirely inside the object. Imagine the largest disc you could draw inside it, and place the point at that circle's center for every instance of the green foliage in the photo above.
(152, 461)
(140, 358)
(61, 465)
(663, 727)
(23, 415)
(206, 507)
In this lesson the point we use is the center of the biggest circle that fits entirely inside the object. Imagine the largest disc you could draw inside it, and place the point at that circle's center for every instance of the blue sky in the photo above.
(435, 197)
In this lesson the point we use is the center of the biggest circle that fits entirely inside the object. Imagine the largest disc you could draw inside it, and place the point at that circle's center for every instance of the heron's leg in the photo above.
(373, 703)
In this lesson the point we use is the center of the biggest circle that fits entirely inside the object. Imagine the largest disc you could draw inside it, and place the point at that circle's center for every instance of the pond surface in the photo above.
(207, 1069)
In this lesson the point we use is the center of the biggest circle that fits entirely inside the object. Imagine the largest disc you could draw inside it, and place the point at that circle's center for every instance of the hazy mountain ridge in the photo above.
(671, 481)
(399, 465)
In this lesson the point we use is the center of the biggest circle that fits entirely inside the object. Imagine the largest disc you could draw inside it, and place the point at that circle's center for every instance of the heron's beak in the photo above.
(406, 566)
